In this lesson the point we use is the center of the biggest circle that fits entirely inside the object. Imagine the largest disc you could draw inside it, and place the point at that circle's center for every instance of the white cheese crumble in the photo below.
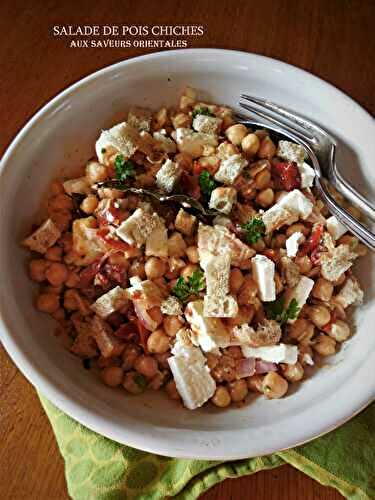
(336, 261)
(291, 152)
(168, 176)
(300, 293)
(307, 174)
(230, 169)
(110, 302)
(281, 353)
(263, 270)
(138, 227)
(293, 242)
(207, 124)
(335, 228)
(222, 199)
(288, 210)
(164, 143)
(43, 238)
(122, 137)
(171, 306)
(350, 293)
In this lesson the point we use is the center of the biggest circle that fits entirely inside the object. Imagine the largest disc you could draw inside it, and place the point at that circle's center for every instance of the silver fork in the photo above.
(321, 149)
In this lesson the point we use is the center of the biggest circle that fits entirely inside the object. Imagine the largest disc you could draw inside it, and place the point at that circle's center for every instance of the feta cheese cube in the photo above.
(216, 306)
(185, 222)
(86, 244)
(164, 143)
(222, 199)
(217, 275)
(335, 262)
(137, 228)
(192, 142)
(43, 238)
(81, 185)
(171, 306)
(350, 293)
(281, 353)
(263, 270)
(291, 152)
(110, 302)
(168, 176)
(293, 242)
(146, 292)
(140, 118)
(307, 175)
(210, 333)
(122, 137)
(230, 169)
(193, 380)
(276, 216)
(207, 124)
(335, 228)
(157, 242)
(296, 203)
(300, 293)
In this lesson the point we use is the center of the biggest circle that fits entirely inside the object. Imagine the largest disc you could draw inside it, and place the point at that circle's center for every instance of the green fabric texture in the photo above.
(100, 469)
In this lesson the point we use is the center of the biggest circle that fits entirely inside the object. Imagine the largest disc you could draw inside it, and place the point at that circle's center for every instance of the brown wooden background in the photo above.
(333, 39)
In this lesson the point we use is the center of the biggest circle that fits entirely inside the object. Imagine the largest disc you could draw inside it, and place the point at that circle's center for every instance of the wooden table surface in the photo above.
(331, 38)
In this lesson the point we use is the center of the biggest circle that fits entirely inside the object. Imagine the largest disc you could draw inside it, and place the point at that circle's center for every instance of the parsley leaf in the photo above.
(207, 184)
(123, 168)
(276, 310)
(201, 111)
(254, 230)
(183, 289)
(140, 381)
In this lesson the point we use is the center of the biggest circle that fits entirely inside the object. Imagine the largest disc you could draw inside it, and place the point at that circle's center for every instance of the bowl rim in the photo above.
(62, 399)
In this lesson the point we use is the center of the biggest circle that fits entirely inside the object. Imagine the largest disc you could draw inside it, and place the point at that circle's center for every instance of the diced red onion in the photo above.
(264, 366)
(245, 367)
(144, 317)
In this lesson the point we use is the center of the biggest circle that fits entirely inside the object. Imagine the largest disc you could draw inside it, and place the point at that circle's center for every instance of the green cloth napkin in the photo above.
(100, 469)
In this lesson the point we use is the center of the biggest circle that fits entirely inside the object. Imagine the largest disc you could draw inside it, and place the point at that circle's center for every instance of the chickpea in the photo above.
(325, 345)
(70, 300)
(226, 149)
(137, 268)
(134, 383)
(238, 390)
(60, 202)
(250, 145)
(129, 356)
(56, 188)
(146, 365)
(221, 398)
(245, 315)
(319, 315)
(305, 351)
(162, 360)
(89, 204)
(298, 227)
(37, 269)
(267, 148)
(157, 381)
(188, 270)
(53, 289)
(172, 391)
(236, 280)
(192, 254)
(265, 197)
(234, 352)
(66, 241)
(247, 292)
(293, 373)
(54, 253)
(255, 383)
(57, 273)
(48, 302)
(181, 120)
(95, 172)
(340, 281)
(339, 331)
(304, 264)
(301, 330)
(62, 219)
(262, 179)
(176, 245)
(155, 268)
(112, 376)
(279, 286)
(236, 133)
(323, 290)
(171, 325)
(156, 314)
(72, 280)
(212, 360)
(59, 314)
(158, 342)
(274, 386)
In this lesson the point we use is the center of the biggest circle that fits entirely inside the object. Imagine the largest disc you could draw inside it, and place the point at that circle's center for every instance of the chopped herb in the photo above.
(254, 230)
(267, 388)
(207, 184)
(140, 381)
(275, 310)
(201, 111)
(183, 289)
(86, 363)
(103, 150)
(124, 168)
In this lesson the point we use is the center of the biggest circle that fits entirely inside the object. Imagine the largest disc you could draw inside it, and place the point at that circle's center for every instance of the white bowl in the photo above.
(62, 135)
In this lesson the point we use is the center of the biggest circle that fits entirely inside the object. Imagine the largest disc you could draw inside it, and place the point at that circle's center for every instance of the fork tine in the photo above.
(279, 123)
(294, 117)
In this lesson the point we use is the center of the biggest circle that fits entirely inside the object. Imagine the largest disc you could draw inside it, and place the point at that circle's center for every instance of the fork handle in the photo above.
(356, 227)
(350, 193)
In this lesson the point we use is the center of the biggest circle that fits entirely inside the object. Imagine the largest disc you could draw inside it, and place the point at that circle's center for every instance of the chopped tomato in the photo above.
(87, 275)
(143, 335)
(327, 328)
(104, 234)
(274, 255)
(286, 175)
(197, 168)
(312, 243)
(127, 331)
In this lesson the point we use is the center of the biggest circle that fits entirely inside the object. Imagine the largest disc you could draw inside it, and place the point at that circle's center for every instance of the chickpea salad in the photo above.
(154, 296)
